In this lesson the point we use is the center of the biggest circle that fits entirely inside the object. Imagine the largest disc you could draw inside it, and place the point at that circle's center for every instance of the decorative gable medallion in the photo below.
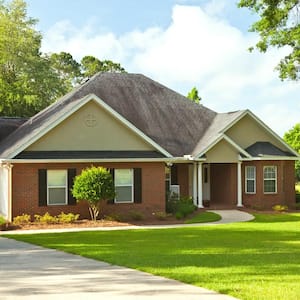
(90, 120)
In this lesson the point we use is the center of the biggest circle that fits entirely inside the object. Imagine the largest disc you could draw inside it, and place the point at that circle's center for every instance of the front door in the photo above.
(206, 182)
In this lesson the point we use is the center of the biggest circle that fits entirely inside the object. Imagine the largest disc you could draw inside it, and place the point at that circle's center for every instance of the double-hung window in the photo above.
(124, 185)
(270, 179)
(57, 182)
(250, 179)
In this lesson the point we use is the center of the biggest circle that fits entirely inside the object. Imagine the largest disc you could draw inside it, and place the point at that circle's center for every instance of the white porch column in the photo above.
(6, 190)
(239, 185)
(200, 190)
(195, 183)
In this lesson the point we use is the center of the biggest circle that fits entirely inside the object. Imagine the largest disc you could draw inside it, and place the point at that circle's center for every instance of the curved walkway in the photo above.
(29, 272)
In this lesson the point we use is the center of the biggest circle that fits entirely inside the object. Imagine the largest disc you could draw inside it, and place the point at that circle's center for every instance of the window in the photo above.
(270, 179)
(250, 179)
(57, 187)
(124, 185)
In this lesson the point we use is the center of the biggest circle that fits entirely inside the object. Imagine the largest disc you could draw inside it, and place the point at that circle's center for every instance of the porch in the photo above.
(214, 185)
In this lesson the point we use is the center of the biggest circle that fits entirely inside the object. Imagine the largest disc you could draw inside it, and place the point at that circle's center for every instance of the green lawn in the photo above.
(204, 217)
(253, 260)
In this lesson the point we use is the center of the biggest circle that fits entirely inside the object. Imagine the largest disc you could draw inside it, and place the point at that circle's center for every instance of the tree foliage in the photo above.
(278, 26)
(91, 65)
(292, 137)
(29, 79)
(27, 83)
(193, 95)
(94, 184)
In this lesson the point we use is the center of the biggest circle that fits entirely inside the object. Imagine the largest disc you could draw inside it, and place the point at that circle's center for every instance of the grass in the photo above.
(204, 217)
(252, 260)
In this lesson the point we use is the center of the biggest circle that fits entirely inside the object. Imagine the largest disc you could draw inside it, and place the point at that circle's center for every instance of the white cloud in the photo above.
(199, 48)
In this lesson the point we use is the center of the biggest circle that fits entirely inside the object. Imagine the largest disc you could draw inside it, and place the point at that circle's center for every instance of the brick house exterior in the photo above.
(141, 131)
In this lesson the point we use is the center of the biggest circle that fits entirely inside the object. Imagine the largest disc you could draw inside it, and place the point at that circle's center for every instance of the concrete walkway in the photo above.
(32, 272)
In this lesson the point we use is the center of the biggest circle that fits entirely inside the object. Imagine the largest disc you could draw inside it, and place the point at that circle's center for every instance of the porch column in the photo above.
(195, 184)
(239, 185)
(200, 192)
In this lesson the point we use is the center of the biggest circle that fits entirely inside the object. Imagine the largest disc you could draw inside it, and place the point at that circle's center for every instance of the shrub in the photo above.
(179, 215)
(22, 219)
(136, 215)
(297, 205)
(114, 217)
(279, 208)
(45, 219)
(184, 205)
(2, 220)
(161, 215)
(67, 218)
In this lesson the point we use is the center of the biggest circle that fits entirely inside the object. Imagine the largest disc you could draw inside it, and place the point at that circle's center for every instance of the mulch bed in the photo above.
(90, 224)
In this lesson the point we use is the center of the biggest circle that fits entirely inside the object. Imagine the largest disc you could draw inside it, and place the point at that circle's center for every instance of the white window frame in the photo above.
(58, 186)
(270, 179)
(250, 179)
(126, 185)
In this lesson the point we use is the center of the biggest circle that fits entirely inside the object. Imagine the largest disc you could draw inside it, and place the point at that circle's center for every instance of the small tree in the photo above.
(94, 184)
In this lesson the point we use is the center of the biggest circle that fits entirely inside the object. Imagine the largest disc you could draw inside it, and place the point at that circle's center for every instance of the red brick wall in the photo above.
(25, 190)
(285, 185)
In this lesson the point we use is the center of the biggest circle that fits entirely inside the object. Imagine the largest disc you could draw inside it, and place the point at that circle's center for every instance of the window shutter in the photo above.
(137, 185)
(71, 176)
(42, 187)
(112, 172)
(174, 174)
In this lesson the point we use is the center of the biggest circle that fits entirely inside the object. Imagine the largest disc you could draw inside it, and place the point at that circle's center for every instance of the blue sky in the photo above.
(180, 43)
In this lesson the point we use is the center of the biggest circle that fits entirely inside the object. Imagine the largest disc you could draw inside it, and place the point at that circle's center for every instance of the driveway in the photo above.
(32, 272)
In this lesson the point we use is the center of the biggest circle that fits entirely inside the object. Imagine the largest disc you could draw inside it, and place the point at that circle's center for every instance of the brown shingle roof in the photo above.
(168, 118)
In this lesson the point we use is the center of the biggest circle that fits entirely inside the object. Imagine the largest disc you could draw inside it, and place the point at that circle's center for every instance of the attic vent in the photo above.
(90, 120)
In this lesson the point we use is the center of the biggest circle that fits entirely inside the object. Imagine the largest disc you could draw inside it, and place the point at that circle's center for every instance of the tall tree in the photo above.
(30, 80)
(91, 65)
(292, 137)
(67, 68)
(27, 83)
(194, 96)
(278, 26)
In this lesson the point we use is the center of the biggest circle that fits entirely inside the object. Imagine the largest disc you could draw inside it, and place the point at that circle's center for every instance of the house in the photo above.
(149, 137)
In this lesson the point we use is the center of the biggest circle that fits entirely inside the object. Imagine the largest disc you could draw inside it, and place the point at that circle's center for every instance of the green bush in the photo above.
(22, 219)
(179, 215)
(298, 198)
(2, 220)
(136, 215)
(297, 206)
(184, 205)
(67, 218)
(45, 219)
